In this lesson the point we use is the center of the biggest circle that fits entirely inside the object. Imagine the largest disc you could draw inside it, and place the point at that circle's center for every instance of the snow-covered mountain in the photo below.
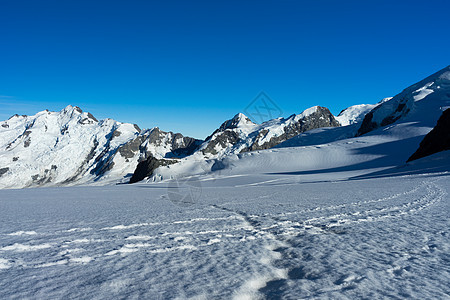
(405, 120)
(242, 135)
(354, 114)
(239, 135)
(433, 90)
(73, 147)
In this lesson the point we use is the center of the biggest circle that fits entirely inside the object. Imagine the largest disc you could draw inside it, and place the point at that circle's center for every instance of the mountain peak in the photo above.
(239, 120)
(69, 109)
(309, 111)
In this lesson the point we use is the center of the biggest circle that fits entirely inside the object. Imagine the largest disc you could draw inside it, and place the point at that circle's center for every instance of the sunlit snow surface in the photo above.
(244, 237)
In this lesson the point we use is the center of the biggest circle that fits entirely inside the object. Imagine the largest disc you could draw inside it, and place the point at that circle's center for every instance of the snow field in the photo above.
(338, 239)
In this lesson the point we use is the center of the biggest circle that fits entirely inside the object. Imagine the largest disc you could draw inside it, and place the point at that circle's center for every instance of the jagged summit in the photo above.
(239, 120)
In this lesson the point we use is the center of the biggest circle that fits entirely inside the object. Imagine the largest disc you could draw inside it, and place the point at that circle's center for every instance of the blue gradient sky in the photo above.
(186, 66)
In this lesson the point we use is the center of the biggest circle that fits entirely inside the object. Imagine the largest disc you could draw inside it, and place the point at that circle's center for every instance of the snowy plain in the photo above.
(260, 236)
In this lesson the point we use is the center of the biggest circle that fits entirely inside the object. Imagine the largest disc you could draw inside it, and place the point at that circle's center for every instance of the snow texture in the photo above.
(247, 237)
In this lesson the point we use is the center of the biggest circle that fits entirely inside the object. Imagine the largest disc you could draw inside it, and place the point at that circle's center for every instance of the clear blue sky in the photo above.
(186, 66)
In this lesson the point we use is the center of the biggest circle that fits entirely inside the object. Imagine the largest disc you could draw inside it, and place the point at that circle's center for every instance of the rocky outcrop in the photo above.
(3, 171)
(436, 140)
(145, 168)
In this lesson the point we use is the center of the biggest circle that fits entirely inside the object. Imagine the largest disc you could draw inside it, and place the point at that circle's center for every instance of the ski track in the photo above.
(286, 251)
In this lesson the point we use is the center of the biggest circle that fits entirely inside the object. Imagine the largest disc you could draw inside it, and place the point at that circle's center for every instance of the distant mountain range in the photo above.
(72, 147)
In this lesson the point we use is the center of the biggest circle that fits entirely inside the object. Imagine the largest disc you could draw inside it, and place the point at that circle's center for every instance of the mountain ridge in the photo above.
(72, 147)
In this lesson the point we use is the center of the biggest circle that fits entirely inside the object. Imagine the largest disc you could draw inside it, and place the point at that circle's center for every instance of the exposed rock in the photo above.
(436, 140)
(129, 149)
(224, 139)
(145, 168)
(15, 158)
(27, 138)
(116, 133)
(27, 143)
(3, 171)
(90, 116)
(17, 116)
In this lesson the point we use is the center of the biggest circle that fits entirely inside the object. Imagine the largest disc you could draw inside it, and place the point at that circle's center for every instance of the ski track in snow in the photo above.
(305, 252)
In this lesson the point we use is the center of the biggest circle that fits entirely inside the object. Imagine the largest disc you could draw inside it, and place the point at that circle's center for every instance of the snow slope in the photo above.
(354, 114)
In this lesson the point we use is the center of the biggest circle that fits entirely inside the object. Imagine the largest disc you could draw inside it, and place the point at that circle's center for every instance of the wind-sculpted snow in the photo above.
(246, 237)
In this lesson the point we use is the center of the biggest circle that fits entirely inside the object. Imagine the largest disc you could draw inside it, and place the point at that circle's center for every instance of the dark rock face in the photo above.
(129, 149)
(46, 177)
(368, 124)
(223, 139)
(180, 146)
(187, 146)
(436, 140)
(145, 168)
(3, 171)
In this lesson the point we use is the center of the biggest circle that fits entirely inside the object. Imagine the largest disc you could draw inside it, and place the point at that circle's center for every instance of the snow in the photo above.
(71, 147)
(279, 236)
(324, 215)
(248, 133)
(53, 145)
(307, 112)
(445, 75)
(354, 114)
(423, 98)
(424, 91)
